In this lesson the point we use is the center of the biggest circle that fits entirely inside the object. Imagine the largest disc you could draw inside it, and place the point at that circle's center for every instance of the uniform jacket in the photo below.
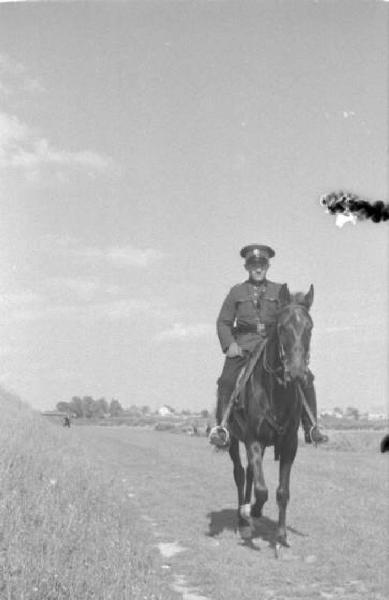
(247, 306)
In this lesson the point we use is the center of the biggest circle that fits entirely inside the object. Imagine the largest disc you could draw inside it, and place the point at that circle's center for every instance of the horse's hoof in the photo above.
(256, 513)
(245, 532)
(245, 511)
(280, 546)
(283, 541)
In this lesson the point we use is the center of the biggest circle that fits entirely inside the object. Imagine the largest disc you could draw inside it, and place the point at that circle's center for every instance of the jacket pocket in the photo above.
(269, 309)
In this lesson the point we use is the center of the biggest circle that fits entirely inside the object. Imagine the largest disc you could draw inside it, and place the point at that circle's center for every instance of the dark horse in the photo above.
(269, 409)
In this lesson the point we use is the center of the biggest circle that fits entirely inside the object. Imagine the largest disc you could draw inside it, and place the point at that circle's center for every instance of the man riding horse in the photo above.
(246, 318)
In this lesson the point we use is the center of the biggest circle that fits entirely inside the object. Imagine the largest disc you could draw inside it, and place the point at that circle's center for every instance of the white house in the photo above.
(379, 416)
(165, 410)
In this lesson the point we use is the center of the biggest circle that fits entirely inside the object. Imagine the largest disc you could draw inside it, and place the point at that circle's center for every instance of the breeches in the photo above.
(231, 369)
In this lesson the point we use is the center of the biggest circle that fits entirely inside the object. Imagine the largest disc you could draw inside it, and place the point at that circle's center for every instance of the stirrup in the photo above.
(219, 436)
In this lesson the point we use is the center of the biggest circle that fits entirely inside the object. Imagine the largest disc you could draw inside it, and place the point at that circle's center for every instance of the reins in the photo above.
(267, 367)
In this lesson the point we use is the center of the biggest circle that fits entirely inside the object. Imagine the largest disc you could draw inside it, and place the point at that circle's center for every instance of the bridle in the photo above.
(278, 372)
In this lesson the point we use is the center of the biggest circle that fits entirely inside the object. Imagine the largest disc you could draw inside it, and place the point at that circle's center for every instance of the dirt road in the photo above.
(184, 492)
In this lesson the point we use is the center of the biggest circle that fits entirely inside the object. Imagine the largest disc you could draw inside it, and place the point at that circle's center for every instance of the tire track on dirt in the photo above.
(186, 493)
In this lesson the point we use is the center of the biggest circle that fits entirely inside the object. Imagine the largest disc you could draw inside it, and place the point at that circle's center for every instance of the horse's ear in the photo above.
(309, 298)
(284, 295)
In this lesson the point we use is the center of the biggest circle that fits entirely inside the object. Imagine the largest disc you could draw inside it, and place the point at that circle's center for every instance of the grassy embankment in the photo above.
(67, 530)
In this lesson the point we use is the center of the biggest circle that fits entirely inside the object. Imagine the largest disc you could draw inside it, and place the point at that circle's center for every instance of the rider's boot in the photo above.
(219, 436)
(312, 433)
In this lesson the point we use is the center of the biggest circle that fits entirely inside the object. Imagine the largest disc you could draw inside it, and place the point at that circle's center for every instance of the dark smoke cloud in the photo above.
(351, 204)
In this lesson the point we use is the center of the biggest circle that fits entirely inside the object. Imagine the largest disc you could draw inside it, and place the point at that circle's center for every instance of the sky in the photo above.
(142, 144)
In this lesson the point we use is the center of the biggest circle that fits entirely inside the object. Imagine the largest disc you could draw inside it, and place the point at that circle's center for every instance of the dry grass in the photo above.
(337, 516)
(67, 530)
(354, 440)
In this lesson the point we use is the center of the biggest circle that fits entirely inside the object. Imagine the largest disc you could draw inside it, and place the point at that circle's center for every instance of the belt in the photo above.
(259, 328)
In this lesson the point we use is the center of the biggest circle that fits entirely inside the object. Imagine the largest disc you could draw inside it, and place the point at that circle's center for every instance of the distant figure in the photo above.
(208, 430)
(195, 430)
(66, 421)
(385, 443)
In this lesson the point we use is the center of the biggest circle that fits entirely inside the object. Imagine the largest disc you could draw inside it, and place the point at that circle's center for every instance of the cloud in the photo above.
(6, 350)
(128, 309)
(23, 298)
(26, 150)
(20, 306)
(123, 256)
(42, 313)
(84, 289)
(14, 77)
(29, 307)
(179, 331)
(22, 148)
(114, 256)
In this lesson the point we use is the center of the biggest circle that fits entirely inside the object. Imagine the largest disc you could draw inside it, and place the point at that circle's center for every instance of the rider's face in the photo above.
(257, 271)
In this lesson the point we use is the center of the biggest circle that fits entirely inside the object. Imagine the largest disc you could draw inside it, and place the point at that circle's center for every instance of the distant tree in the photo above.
(185, 412)
(145, 410)
(76, 406)
(87, 403)
(115, 408)
(338, 410)
(95, 411)
(352, 412)
(103, 406)
(205, 413)
(63, 407)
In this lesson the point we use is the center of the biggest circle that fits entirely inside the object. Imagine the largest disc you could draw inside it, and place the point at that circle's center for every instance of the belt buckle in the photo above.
(260, 327)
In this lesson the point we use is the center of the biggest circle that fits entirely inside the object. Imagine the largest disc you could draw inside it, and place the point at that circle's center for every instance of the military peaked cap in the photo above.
(256, 253)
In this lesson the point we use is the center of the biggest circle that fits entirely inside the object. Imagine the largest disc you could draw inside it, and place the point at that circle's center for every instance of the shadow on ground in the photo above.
(227, 519)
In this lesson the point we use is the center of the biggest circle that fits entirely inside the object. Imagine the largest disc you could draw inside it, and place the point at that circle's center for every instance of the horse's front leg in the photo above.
(287, 456)
(249, 484)
(239, 477)
(254, 456)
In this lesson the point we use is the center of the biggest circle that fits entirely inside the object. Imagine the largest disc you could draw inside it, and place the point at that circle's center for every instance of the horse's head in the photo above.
(294, 328)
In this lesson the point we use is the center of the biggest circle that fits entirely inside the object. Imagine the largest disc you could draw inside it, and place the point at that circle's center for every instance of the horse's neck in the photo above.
(266, 370)
(272, 355)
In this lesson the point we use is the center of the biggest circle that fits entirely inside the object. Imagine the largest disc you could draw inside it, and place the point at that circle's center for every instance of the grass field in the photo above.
(129, 513)
(337, 516)
(67, 530)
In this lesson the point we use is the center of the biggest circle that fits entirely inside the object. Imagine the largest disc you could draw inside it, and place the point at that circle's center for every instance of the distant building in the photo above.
(327, 413)
(165, 410)
(377, 416)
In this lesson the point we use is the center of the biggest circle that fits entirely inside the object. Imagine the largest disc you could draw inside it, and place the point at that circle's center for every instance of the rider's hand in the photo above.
(234, 350)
